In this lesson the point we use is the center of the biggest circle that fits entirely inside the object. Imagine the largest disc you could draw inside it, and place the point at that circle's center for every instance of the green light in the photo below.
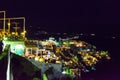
(45, 77)
(104, 52)
(67, 71)
(5, 38)
(36, 79)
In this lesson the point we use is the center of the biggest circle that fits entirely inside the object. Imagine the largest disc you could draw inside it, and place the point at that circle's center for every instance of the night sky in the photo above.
(96, 16)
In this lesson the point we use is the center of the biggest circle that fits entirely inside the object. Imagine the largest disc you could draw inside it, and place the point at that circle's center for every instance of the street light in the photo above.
(9, 26)
(4, 20)
(16, 18)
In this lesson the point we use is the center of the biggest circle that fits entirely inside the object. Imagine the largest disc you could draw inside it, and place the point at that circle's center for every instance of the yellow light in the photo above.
(42, 60)
(22, 33)
(36, 58)
(8, 24)
(13, 32)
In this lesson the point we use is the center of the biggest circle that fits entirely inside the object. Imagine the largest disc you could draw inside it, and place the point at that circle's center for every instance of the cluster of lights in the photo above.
(76, 54)
(72, 53)
(90, 60)
(13, 37)
(87, 52)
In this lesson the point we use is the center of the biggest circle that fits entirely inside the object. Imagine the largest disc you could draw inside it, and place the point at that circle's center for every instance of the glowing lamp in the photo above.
(36, 58)
(13, 33)
(42, 60)
(64, 72)
(8, 24)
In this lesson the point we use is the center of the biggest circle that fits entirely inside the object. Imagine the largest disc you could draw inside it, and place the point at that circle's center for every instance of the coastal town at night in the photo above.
(68, 40)
(68, 56)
